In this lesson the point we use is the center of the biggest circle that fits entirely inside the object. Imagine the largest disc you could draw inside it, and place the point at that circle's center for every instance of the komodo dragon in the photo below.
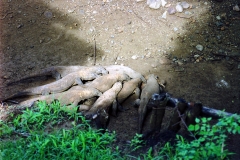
(71, 97)
(105, 82)
(59, 72)
(113, 69)
(57, 86)
(128, 89)
(106, 100)
(149, 89)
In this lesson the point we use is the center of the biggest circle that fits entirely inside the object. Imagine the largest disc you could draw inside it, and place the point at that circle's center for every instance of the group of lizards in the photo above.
(94, 89)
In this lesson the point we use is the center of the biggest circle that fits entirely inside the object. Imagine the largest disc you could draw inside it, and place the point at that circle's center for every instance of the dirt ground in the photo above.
(36, 34)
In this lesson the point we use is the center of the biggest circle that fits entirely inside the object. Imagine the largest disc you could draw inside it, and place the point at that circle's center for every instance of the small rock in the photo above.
(236, 8)
(185, 5)
(163, 2)
(48, 14)
(5, 77)
(175, 29)
(154, 65)
(196, 56)
(179, 62)
(171, 10)
(139, 0)
(179, 8)
(222, 84)
(103, 58)
(134, 57)
(19, 26)
(70, 10)
(187, 13)
(218, 18)
(154, 4)
(219, 24)
(199, 47)
(164, 15)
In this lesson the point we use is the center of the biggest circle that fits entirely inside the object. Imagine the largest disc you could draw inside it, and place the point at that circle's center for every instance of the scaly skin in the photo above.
(59, 72)
(57, 86)
(105, 100)
(113, 69)
(72, 97)
(128, 89)
(149, 89)
(105, 82)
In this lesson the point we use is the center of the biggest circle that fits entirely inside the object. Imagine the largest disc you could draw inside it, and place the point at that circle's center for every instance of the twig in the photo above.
(185, 124)
(5, 15)
(182, 16)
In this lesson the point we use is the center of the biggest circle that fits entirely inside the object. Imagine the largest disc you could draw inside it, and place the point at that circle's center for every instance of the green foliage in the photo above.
(79, 141)
(38, 134)
(210, 143)
(136, 142)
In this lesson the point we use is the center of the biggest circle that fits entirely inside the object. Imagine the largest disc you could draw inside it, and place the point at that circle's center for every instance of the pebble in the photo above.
(187, 13)
(185, 5)
(179, 8)
(154, 4)
(163, 2)
(199, 47)
(134, 57)
(222, 84)
(48, 14)
(154, 65)
(5, 77)
(196, 56)
(171, 10)
(236, 8)
(179, 62)
(164, 15)
(175, 29)
(218, 18)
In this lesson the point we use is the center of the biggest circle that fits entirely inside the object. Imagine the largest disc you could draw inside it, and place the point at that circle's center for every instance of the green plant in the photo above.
(136, 142)
(78, 142)
(210, 141)
(5, 129)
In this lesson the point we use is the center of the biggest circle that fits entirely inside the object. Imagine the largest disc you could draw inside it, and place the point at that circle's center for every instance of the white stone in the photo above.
(199, 47)
(163, 2)
(175, 29)
(218, 18)
(185, 5)
(154, 4)
(134, 57)
(236, 8)
(164, 15)
(179, 8)
(196, 56)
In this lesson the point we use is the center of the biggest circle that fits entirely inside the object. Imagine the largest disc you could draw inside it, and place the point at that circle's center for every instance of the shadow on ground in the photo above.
(36, 35)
